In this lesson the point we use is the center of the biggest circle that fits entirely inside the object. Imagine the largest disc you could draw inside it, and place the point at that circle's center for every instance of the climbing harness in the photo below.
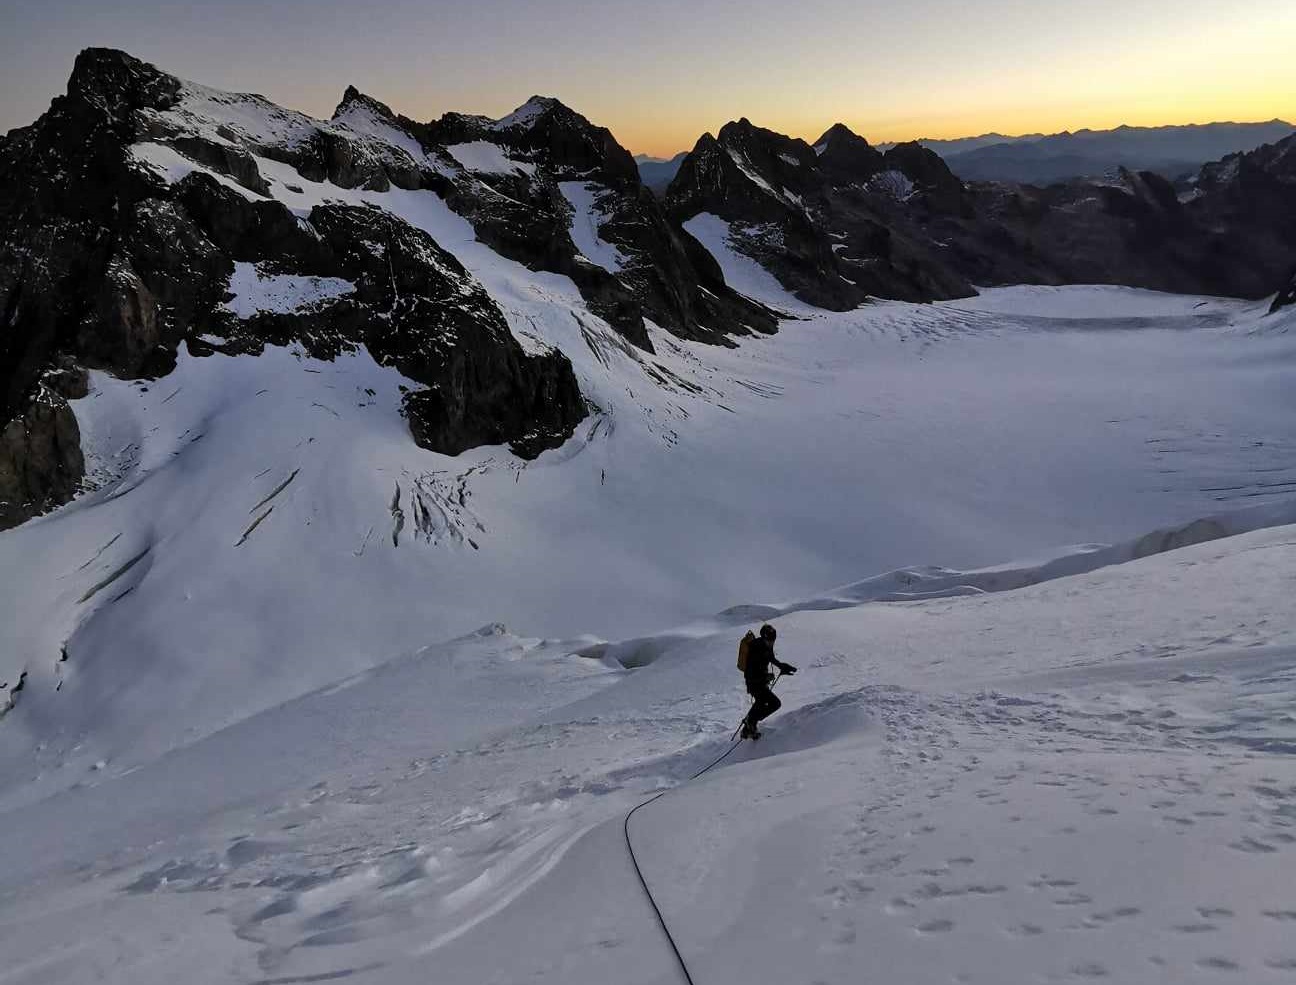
(625, 828)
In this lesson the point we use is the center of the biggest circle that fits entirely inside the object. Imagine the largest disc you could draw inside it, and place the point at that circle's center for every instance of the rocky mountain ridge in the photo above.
(130, 210)
(842, 219)
(143, 214)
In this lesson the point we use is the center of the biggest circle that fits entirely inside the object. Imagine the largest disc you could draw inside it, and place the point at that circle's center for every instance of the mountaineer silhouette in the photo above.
(755, 657)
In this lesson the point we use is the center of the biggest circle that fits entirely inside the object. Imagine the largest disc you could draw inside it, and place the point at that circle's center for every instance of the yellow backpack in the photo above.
(743, 646)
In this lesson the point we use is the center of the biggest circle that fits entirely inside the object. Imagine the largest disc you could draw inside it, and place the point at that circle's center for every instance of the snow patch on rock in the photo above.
(487, 158)
(171, 166)
(257, 293)
(583, 198)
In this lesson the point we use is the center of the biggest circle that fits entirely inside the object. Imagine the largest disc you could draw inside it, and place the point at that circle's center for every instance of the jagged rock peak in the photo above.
(353, 99)
(839, 132)
(95, 66)
(109, 79)
(529, 112)
(847, 158)
(547, 126)
(922, 165)
(757, 141)
(744, 128)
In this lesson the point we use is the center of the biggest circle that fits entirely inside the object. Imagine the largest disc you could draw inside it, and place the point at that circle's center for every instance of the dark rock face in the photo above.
(481, 388)
(846, 157)
(817, 218)
(902, 225)
(40, 452)
(1243, 207)
(1286, 297)
(1225, 232)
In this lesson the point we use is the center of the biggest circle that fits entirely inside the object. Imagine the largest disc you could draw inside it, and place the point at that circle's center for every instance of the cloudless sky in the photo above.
(660, 72)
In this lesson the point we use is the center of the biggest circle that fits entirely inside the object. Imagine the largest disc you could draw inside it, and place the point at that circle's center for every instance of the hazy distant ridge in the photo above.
(1171, 151)
(1035, 158)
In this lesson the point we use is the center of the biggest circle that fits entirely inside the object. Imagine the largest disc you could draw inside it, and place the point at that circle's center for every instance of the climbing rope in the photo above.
(625, 828)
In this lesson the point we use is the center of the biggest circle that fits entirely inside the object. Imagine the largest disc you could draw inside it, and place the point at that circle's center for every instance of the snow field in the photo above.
(253, 767)
(1082, 778)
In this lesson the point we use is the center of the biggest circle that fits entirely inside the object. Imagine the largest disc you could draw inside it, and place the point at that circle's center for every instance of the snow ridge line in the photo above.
(625, 828)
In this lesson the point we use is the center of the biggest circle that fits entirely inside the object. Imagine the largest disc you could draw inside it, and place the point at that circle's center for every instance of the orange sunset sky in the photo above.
(659, 74)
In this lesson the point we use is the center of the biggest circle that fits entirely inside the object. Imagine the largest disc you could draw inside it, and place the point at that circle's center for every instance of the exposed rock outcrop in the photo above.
(1285, 297)
(817, 217)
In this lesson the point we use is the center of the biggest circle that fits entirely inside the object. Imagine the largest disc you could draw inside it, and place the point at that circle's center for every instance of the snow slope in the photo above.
(583, 198)
(1090, 777)
(264, 525)
(245, 661)
(744, 274)
(481, 155)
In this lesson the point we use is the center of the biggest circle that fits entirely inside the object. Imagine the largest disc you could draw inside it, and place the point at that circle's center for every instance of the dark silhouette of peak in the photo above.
(845, 157)
(838, 132)
(922, 166)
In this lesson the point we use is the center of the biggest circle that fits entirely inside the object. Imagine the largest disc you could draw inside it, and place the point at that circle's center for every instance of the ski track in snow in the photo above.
(235, 759)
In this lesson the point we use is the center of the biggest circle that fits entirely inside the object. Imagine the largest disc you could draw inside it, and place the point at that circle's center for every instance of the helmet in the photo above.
(768, 633)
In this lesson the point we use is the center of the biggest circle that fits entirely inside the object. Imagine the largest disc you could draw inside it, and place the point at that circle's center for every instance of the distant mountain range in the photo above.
(1042, 159)
(961, 145)
(1172, 151)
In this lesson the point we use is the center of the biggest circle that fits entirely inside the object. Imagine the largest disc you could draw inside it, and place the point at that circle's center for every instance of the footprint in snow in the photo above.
(1073, 899)
(1214, 912)
(935, 927)
(1252, 846)
(1218, 964)
(1107, 916)
(1090, 970)
(1026, 930)
(1044, 882)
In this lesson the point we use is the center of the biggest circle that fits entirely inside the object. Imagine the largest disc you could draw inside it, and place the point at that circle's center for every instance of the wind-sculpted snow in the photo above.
(1086, 777)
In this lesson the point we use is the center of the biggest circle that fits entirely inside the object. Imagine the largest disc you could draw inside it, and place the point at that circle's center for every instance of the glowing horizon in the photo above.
(658, 76)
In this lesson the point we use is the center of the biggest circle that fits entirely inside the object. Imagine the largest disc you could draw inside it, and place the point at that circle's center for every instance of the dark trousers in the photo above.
(764, 701)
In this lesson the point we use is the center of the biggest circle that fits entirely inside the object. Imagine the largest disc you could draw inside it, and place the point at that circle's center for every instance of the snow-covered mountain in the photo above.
(139, 203)
(813, 216)
(385, 500)
(850, 221)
